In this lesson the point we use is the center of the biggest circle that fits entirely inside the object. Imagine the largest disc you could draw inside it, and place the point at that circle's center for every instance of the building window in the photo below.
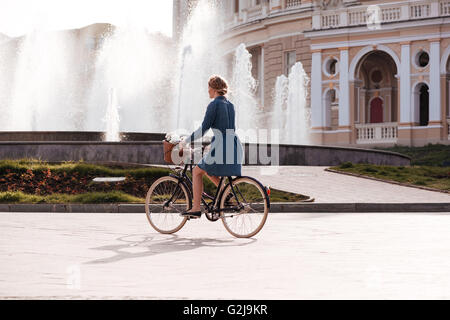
(424, 101)
(331, 110)
(290, 60)
(422, 59)
(331, 67)
(376, 76)
(236, 6)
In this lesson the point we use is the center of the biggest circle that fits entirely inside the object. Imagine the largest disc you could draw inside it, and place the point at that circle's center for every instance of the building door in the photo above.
(376, 110)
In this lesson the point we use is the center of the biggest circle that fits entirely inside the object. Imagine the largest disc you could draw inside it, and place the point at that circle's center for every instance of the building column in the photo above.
(344, 91)
(317, 108)
(406, 109)
(406, 116)
(435, 83)
(262, 75)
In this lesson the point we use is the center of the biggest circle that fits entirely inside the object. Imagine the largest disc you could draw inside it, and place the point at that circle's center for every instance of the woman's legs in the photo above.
(197, 181)
(214, 179)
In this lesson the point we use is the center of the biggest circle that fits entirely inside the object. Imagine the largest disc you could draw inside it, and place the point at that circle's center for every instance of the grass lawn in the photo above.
(32, 181)
(427, 176)
(91, 197)
(436, 155)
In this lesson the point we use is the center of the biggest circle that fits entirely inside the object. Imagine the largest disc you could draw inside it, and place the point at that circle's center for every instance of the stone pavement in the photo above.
(329, 187)
(295, 256)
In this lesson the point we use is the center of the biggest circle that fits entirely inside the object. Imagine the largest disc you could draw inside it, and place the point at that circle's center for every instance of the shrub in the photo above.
(345, 165)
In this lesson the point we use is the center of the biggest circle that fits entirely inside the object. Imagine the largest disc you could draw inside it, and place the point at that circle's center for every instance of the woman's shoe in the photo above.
(194, 214)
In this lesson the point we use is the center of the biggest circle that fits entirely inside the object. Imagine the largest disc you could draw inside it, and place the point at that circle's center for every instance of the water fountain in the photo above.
(198, 58)
(243, 88)
(43, 81)
(139, 68)
(280, 98)
(290, 113)
(47, 84)
(112, 118)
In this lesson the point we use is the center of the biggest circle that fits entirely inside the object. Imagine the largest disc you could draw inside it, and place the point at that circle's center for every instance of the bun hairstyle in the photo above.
(219, 84)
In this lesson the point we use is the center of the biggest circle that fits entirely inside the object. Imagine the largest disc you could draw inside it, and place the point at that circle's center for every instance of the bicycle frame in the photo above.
(214, 207)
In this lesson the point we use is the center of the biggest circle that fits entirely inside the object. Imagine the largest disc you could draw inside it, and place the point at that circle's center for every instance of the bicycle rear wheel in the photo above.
(248, 219)
(164, 202)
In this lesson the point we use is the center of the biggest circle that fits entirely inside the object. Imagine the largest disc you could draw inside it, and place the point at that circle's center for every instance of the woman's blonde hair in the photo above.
(219, 84)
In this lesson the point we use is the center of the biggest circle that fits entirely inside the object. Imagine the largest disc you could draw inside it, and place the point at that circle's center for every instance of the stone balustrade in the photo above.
(380, 13)
(376, 133)
(346, 16)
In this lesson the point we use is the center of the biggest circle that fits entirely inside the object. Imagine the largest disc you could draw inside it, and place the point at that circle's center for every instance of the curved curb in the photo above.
(285, 207)
(388, 181)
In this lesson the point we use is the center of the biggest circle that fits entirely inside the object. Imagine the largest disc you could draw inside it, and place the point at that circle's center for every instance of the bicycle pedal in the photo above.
(193, 217)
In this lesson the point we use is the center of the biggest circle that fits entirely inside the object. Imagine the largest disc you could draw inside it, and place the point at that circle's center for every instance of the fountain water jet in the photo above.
(243, 88)
(112, 118)
(199, 57)
(290, 113)
(139, 68)
(42, 96)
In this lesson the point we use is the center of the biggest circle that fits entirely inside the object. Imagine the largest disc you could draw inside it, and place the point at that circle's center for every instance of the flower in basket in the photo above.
(173, 138)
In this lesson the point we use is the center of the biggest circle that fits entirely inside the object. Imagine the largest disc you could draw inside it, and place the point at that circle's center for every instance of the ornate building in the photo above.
(379, 69)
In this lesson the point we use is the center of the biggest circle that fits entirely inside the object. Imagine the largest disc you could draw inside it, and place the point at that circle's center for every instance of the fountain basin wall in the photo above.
(75, 136)
(151, 152)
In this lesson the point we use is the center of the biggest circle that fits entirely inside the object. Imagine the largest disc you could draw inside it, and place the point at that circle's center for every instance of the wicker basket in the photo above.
(167, 147)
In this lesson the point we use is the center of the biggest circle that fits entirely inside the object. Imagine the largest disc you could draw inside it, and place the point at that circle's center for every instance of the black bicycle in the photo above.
(242, 203)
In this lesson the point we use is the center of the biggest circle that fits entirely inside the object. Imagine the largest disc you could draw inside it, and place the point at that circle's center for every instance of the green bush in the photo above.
(94, 197)
(345, 165)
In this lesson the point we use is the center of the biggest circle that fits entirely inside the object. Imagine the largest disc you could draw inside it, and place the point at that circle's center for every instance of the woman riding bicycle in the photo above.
(226, 154)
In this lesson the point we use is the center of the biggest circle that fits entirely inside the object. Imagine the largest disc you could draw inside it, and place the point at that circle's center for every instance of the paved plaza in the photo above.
(295, 256)
(330, 187)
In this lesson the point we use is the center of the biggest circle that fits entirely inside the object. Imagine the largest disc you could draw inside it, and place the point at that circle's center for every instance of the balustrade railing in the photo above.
(293, 3)
(444, 8)
(376, 133)
(383, 12)
(330, 21)
(350, 16)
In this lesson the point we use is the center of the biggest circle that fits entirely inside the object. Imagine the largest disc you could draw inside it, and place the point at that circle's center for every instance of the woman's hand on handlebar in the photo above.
(183, 143)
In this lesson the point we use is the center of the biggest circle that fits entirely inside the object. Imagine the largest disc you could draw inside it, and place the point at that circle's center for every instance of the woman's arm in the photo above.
(210, 116)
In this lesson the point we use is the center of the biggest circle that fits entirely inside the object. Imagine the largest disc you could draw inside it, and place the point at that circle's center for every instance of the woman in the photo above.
(225, 155)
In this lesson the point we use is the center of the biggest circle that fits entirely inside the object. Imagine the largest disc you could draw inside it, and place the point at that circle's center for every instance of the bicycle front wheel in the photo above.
(245, 216)
(165, 200)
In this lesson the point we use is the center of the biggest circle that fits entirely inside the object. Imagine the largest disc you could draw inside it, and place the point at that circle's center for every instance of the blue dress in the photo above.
(226, 155)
